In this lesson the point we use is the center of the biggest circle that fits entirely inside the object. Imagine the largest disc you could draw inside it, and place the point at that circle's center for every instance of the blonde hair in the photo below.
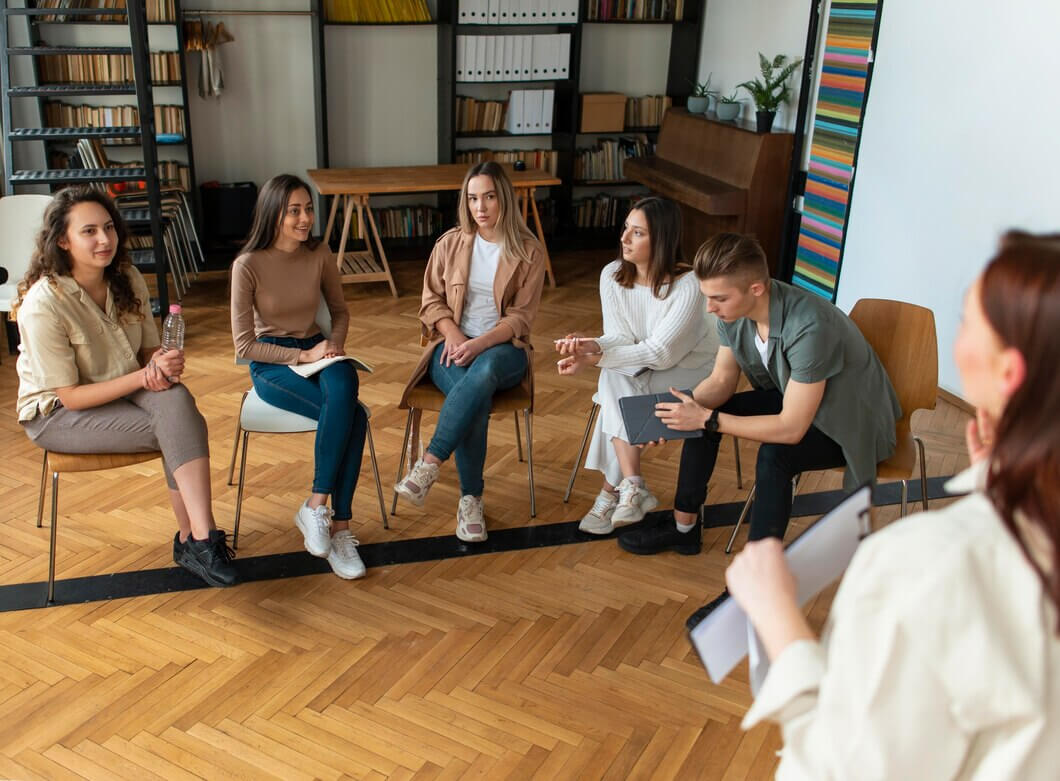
(511, 229)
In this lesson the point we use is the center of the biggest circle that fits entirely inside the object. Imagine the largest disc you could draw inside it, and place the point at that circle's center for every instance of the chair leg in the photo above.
(518, 439)
(923, 472)
(905, 498)
(43, 483)
(375, 473)
(401, 460)
(528, 417)
(51, 547)
(235, 452)
(581, 451)
(743, 514)
(739, 467)
(239, 493)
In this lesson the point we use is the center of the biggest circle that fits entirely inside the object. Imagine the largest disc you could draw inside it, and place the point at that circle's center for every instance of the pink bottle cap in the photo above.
(174, 309)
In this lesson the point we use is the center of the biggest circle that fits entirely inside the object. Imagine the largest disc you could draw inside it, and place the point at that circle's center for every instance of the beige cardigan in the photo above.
(516, 289)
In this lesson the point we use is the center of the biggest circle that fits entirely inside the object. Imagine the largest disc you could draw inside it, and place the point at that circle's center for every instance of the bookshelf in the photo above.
(94, 69)
(565, 141)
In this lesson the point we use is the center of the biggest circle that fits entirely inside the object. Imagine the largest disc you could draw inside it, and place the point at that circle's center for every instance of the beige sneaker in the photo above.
(343, 557)
(598, 519)
(415, 485)
(633, 502)
(470, 522)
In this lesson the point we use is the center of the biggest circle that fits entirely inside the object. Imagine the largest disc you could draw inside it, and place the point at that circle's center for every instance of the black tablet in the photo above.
(638, 413)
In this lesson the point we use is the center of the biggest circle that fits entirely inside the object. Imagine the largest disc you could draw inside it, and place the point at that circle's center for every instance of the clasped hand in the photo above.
(459, 350)
(324, 349)
(579, 351)
(163, 370)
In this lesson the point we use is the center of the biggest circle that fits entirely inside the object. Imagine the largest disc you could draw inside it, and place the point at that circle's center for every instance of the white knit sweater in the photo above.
(657, 333)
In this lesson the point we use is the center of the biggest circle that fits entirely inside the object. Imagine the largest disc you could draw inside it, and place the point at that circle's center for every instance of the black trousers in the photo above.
(777, 465)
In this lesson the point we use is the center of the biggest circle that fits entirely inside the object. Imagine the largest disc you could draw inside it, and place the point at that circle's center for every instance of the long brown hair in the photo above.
(50, 260)
(269, 211)
(664, 234)
(1020, 294)
(511, 228)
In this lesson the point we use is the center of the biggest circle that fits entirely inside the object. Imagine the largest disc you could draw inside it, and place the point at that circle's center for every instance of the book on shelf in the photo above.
(530, 112)
(161, 11)
(483, 58)
(478, 116)
(169, 119)
(603, 161)
(106, 68)
(544, 159)
(635, 10)
(379, 11)
(647, 110)
(603, 210)
(404, 222)
(517, 11)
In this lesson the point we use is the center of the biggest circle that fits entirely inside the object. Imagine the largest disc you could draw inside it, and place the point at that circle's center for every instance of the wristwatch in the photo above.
(711, 426)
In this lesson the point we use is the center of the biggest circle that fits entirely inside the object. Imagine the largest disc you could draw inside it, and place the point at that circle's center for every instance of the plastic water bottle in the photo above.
(173, 329)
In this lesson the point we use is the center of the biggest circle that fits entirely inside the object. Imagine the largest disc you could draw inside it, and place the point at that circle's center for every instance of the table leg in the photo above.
(331, 217)
(541, 236)
(348, 216)
(525, 205)
(379, 244)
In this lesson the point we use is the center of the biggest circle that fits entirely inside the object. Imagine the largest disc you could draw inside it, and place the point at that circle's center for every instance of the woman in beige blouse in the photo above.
(941, 656)
(92, 378)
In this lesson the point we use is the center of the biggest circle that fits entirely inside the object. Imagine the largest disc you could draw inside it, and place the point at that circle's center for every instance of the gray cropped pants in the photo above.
(138, 423)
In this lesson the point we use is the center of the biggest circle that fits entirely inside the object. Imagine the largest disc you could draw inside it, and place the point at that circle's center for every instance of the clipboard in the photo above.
(720, 631)
(638, 413)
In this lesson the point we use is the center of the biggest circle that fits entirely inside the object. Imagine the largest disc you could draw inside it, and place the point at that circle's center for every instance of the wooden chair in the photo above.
(426, 396)
(57, 463)
(903, 336)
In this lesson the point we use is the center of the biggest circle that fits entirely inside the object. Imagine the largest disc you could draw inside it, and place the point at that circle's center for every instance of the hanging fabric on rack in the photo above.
(207, 37)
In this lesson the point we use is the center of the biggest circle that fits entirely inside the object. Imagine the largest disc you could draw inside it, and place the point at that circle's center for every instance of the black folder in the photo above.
(638, 413)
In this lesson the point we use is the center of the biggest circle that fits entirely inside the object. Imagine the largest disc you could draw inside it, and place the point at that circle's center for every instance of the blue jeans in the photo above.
(330, 398)
(465, 416)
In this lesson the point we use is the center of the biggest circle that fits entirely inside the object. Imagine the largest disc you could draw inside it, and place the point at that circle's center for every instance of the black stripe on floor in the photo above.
(120, 585)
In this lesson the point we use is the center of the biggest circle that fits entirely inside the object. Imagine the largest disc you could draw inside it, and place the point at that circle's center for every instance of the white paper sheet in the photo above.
(817, 558)
(309, 369)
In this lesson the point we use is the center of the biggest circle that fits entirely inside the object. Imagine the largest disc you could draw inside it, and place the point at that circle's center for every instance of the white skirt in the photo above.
(609, 424)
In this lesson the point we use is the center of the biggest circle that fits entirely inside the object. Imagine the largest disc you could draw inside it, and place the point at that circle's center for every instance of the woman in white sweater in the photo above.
(657, 335)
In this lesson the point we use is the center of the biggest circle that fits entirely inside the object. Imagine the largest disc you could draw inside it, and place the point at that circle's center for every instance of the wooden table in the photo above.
(354, 186)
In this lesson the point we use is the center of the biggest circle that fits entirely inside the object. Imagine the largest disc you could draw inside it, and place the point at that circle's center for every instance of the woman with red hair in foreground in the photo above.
(941, 656)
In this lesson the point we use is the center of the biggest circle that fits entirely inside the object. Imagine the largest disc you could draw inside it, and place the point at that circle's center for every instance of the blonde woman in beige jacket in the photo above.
(480, 295)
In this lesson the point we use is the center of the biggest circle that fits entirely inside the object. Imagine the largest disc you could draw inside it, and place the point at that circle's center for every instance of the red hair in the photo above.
(1020, 294)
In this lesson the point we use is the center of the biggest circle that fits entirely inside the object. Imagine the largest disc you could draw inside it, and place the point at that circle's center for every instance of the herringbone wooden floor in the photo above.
(567, 662)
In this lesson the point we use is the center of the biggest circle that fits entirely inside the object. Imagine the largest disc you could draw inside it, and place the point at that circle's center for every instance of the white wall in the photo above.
(959, 144)
(735, 31)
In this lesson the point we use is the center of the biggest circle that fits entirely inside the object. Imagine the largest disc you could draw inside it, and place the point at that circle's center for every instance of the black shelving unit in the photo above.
(39, 22)
(138, 50)
(682, 69)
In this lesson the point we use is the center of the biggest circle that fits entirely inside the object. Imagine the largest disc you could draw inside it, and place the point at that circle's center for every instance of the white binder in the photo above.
(532, 105)
(498, 57)
(536, 15)
(540, 49)
(513, 123)
(563, 56)
(493, 12)
(548, 97)
(480, 58)
(461, 57)
(517, 57)
(528, 57)
(504, 15)
(509, 55)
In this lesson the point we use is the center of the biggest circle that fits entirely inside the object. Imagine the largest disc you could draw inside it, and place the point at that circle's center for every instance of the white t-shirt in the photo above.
(763, 348)
(480, 309)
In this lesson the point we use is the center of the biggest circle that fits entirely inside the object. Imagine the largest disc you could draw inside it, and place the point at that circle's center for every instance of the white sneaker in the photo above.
(315, 526)
(343, 558)
(598, 519)
(633, 502)
(417, 482)
(470, 522)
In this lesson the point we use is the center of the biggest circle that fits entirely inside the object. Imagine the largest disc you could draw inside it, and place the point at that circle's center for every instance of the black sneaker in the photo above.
(661, 536)
(210, 559)
(178, 548)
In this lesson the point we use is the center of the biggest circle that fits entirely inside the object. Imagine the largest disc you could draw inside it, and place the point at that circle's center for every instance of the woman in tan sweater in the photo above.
(277, 283)
(480, 295)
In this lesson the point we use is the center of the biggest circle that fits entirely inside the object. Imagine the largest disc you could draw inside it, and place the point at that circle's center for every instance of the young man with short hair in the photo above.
(821, 398)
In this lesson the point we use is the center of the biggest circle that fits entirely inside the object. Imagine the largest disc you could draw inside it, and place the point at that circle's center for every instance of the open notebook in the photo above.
(309, 369)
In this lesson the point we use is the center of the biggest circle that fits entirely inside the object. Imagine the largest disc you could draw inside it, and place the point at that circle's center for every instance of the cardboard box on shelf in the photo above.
(603, 112)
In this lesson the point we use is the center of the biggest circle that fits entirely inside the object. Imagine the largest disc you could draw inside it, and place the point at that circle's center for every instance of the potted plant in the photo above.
(772, 89)
(699, 100)
(728, 108)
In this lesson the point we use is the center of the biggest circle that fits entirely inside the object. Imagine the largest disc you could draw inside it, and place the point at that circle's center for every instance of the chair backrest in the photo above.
(903, 336)
(21, 217)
